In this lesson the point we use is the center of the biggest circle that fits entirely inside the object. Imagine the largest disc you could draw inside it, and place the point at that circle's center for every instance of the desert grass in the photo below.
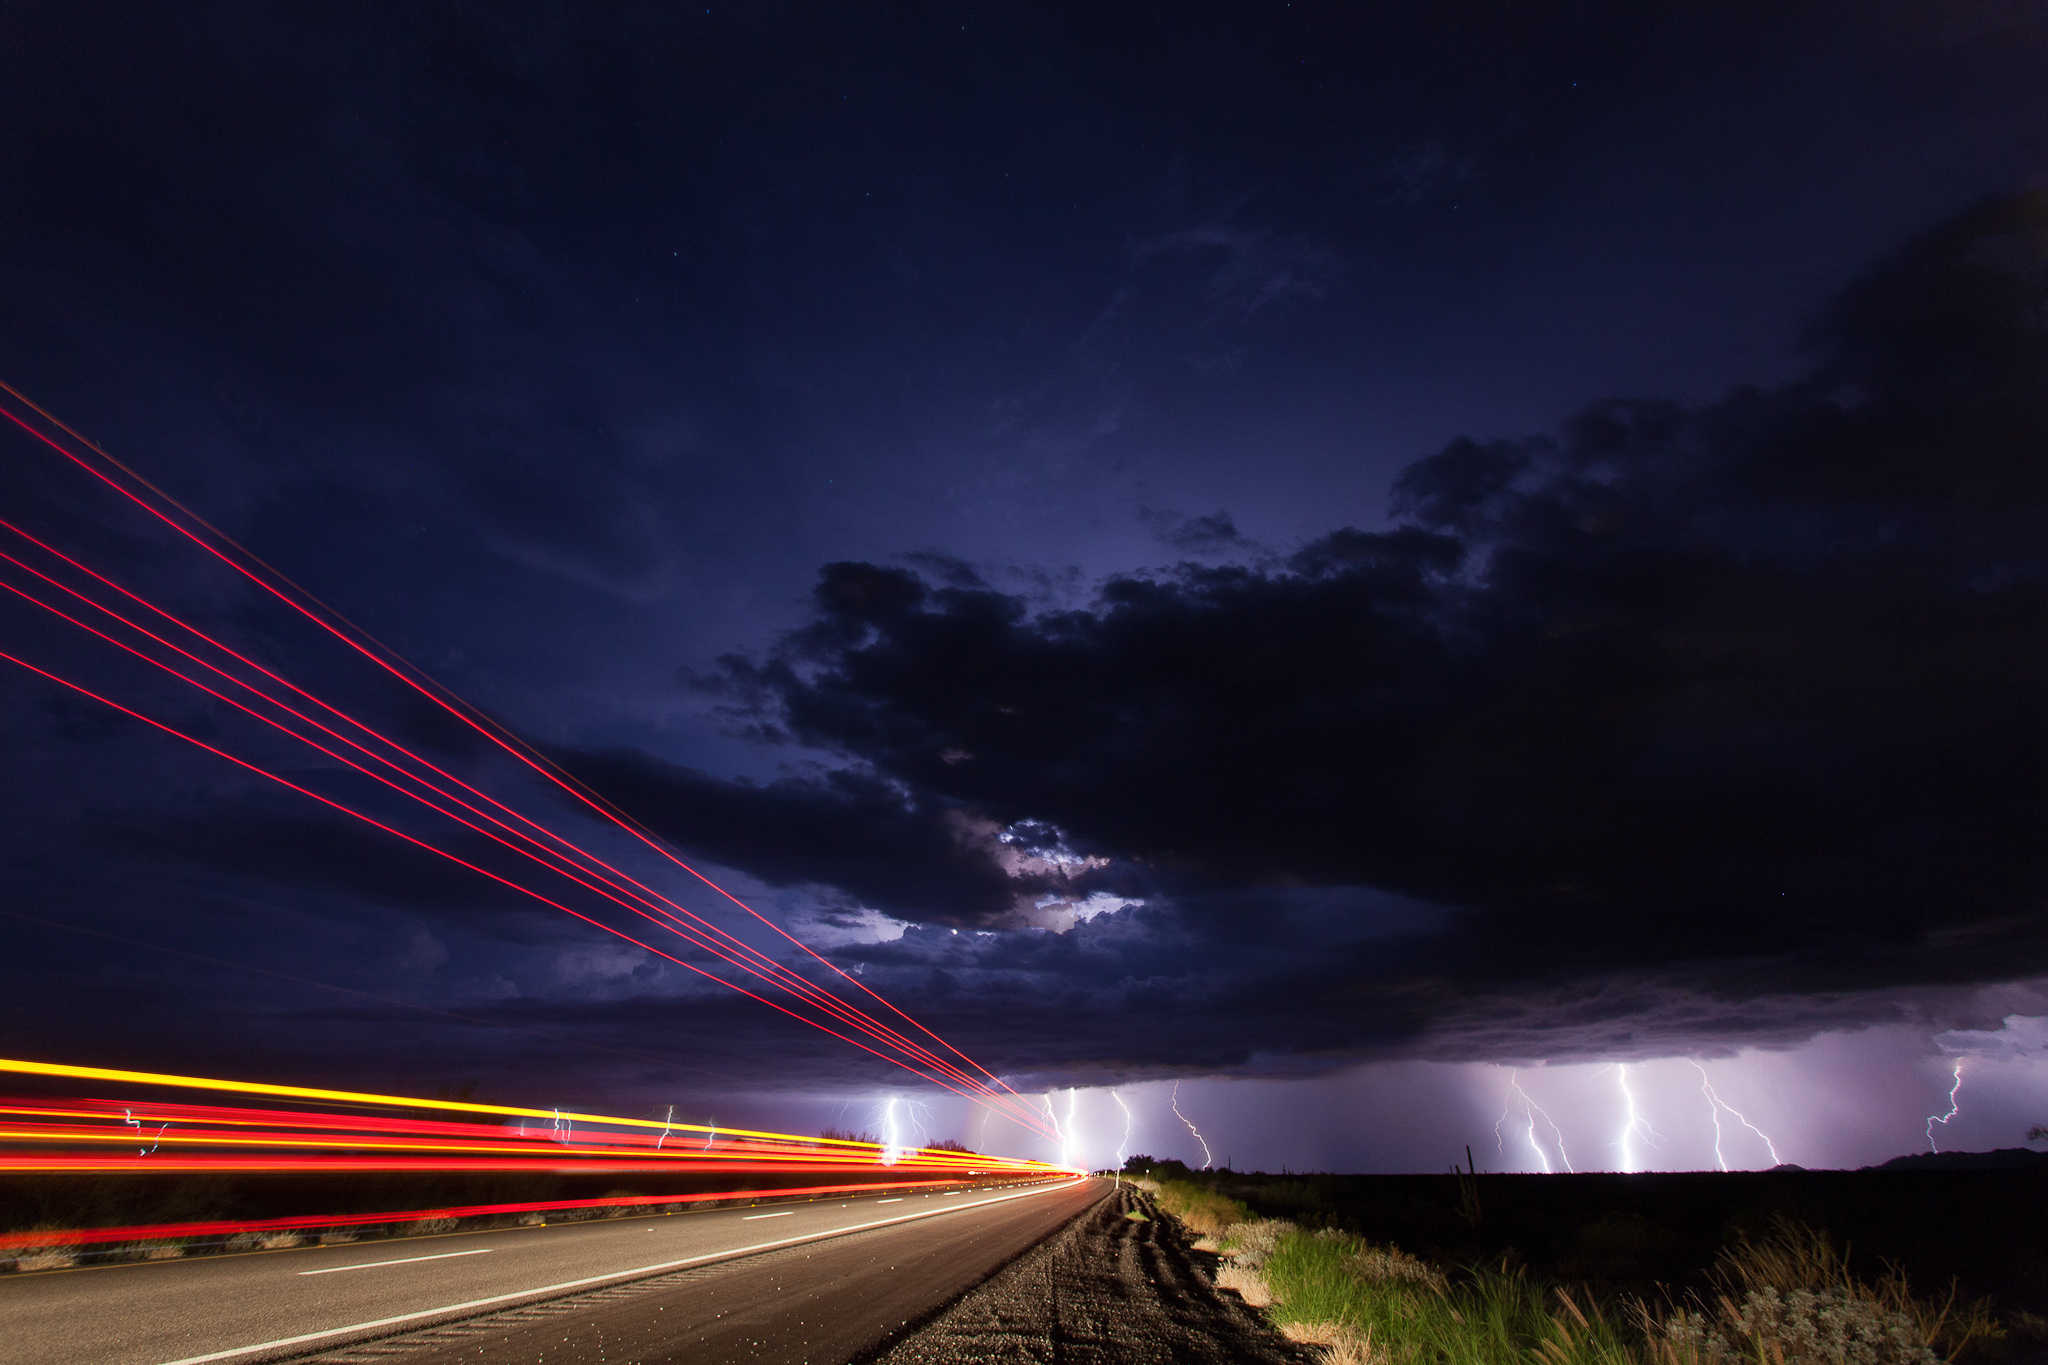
(1250, 1244)
(1393, 1309)
(1201, 1209)
(58, 1257)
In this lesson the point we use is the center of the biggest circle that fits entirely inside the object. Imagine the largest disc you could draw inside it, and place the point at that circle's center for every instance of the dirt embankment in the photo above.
(1105, 1290)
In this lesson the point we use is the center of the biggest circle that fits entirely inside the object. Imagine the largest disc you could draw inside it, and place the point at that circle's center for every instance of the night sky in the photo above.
(1416, 570)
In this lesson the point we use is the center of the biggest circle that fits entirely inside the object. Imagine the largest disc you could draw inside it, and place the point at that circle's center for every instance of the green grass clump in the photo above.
(1411, 1315)
(1200, 1208)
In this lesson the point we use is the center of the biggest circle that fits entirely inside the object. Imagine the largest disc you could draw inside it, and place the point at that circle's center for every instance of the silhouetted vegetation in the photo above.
(1609, 1241)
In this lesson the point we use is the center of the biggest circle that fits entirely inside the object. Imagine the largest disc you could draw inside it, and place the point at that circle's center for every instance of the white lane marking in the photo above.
(897, 1200)
(752, 1216)
(409, 1260)
(601, 1279)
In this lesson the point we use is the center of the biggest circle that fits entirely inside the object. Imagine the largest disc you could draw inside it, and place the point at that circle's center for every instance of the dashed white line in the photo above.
(897, 1200)
(752, 1216)
(408, 1260)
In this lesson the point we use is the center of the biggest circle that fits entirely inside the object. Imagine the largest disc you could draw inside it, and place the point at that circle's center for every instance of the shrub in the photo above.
(154, 1249)
(1803, 1327)
(1791, 1300)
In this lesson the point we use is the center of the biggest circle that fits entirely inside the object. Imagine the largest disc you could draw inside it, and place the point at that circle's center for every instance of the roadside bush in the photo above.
(1790, 1299)
(262, 1241)
(154, 1249)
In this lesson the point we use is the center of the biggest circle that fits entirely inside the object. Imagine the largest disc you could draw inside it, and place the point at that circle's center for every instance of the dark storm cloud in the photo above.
(846, 830)
(1745, 692)
(559, 348)
(1212, 534)
(308, 853)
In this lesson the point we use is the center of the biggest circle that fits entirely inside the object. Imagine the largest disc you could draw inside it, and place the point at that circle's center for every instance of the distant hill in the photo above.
(2004, 1159)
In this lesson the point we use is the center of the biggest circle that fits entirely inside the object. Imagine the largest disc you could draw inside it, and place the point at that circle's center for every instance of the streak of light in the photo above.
(388, 660)
(1717, 1104)
(632, 894)
(1123, 1146)
(226, 1227)
(1530, 1111)
(1954, 1108)
(1207, 1159)
(646, 1128)
(461, 862)
(1636, 1122)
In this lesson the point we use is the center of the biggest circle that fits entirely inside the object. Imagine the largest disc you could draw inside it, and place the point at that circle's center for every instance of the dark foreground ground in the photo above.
(1986, 1230)
(1105, 1290)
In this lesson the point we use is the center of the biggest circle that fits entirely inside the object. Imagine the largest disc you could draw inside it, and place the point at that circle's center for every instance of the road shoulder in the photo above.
(1107, 1289)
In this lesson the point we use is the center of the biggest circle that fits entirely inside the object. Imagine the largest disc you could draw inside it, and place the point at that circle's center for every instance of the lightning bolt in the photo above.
(1717, 1104)
(1953, 1109)
(136, 1124)
(891, 1140)
(711, 1136)
(564, 1130)
(1636, 1122)
(666, 1124)
(1207, 1159)
(1123, 1147)
(1530, 1112)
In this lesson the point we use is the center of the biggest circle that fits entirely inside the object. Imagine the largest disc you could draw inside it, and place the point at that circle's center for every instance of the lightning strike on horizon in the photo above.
(1636, 1122)
(1528, 1112)
(1208, 1160)
(1058, 1131)
(666, 1124)
(563, 1131)
(1954, 1107)
(1532, 1111)
(1070, 1152)
(1717, 1104)
(920, 1116)
(711, 1135)
(891, 1139)
(1123, 1147)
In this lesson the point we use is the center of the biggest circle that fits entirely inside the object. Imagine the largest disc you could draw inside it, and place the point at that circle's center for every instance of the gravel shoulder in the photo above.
(1106, 1289)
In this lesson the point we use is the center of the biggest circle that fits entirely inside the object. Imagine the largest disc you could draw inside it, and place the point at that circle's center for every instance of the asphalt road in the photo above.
(813, 1282)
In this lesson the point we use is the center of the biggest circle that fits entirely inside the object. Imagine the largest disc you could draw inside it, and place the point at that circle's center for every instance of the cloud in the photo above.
(849, 830)
(1215, 533)
(1743, 695)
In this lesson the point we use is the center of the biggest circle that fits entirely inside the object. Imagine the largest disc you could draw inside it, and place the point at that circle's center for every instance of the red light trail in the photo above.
(388, 660)
(68, 1134)
(403, 771)
(322, 1222)
(42, 1135)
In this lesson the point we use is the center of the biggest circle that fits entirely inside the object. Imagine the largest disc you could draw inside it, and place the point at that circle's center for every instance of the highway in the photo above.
(815, 1282)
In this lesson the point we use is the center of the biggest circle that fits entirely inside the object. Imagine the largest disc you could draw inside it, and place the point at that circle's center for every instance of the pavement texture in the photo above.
(823, 1303)
(1107, 1289)
(811, 1280)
